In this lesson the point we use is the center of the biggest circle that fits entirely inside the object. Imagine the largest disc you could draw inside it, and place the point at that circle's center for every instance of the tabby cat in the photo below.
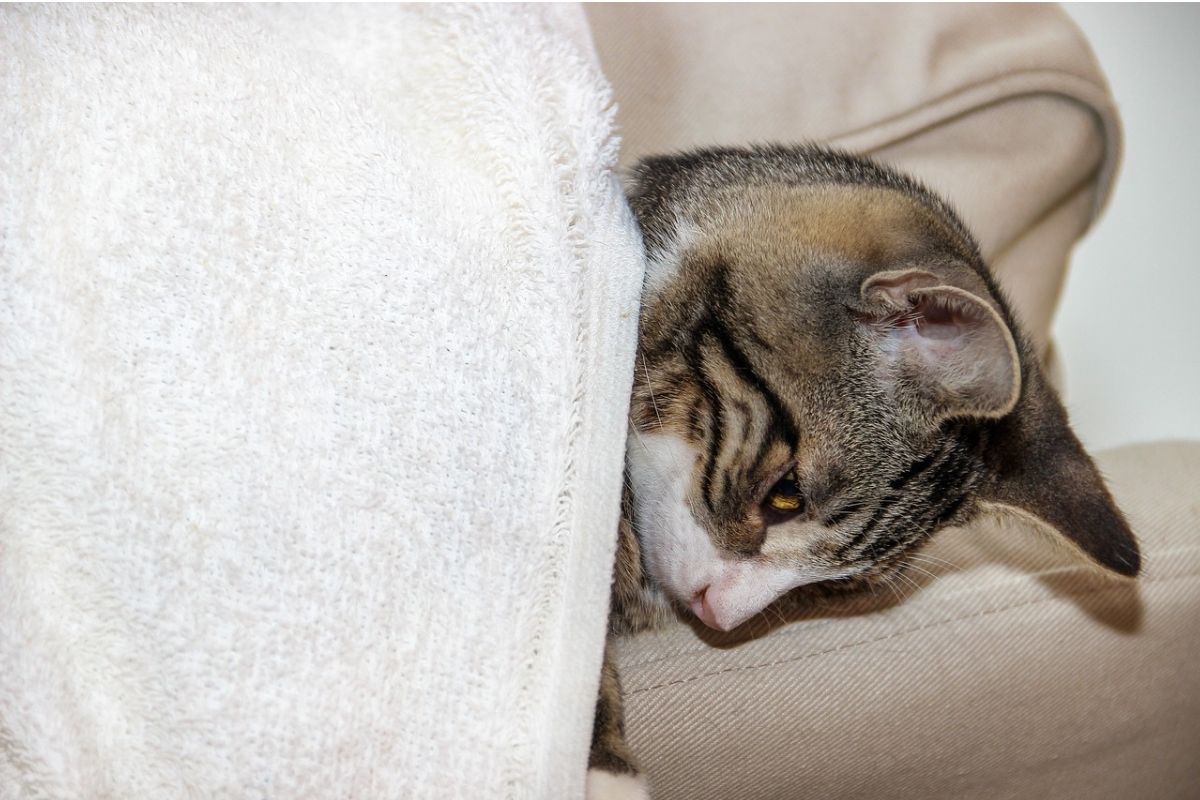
(827, 374)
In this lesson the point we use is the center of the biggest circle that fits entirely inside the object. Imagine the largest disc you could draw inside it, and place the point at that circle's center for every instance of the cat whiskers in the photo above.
(935, 561)
(649, 453)
(908, 581)
(655, 465)
(650, 388)
(772, 608)
(931, 575)
(887, 581)
(660, 517)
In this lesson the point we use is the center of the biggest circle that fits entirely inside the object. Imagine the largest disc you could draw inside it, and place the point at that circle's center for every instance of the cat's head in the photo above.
(827, 374)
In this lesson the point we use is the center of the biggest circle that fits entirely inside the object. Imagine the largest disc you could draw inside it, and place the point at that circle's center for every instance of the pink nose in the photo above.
(703, 610)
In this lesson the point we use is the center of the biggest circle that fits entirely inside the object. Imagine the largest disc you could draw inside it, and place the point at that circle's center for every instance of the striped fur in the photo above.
(818, 316)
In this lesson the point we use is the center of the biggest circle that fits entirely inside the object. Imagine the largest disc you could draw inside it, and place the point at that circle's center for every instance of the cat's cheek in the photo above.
(721, 589)
(678, 552)
(663, 264)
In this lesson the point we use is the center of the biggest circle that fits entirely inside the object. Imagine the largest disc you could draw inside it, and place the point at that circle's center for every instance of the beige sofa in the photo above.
(1011, 668)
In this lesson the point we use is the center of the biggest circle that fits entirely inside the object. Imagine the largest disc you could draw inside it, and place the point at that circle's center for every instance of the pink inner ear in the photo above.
(937, 317)
(953, 351)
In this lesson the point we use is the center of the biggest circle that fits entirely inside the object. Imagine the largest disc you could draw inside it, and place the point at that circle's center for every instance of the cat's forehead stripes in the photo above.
(747, 330)
(730, 369)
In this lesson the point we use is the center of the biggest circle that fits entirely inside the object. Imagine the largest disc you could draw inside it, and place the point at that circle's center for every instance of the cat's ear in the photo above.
(945, 351)
(1038, 467)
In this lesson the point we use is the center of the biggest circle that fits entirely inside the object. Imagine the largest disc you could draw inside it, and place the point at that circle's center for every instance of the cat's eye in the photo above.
(784, 497)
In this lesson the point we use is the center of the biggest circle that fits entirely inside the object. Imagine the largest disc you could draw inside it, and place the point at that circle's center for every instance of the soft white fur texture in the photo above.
(603, 785)
(316, 336)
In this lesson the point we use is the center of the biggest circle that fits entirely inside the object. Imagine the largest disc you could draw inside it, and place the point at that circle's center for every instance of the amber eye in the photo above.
(784, 496)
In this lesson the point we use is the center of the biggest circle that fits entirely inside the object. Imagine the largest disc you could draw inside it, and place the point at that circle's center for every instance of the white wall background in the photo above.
(1128, 329)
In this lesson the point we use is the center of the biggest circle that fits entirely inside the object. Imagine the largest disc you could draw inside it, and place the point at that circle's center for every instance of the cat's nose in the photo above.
(703, 610)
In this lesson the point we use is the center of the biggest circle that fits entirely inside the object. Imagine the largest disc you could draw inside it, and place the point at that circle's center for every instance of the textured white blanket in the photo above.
(316, 333)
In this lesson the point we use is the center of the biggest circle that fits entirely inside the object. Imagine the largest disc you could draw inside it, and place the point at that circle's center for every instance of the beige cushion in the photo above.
(1000, 108)
(1012, 669)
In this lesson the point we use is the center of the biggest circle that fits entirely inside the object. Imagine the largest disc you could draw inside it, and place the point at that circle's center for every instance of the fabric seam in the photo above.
(957, 102)
(893, 635)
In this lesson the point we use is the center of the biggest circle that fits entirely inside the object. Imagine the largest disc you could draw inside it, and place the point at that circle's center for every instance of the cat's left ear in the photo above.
(1038, 467)
(945, 351)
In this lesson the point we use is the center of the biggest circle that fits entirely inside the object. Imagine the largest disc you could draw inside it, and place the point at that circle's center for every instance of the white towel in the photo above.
(316, 336)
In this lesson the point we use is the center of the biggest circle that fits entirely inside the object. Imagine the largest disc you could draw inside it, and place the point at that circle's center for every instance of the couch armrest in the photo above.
(1012, 669)
(1002, 109)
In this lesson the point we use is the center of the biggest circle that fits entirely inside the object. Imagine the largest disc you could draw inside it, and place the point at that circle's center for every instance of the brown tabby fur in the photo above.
(768, 296)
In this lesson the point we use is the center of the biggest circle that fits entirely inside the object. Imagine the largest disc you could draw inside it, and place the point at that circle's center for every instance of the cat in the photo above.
(827, 374)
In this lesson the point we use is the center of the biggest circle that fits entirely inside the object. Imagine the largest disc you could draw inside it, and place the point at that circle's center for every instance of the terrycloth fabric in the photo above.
(316, 334)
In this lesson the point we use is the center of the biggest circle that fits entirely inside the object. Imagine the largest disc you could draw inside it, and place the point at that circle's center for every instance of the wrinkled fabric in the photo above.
(1002, 109)
(1014, 669)
(1003, 666)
